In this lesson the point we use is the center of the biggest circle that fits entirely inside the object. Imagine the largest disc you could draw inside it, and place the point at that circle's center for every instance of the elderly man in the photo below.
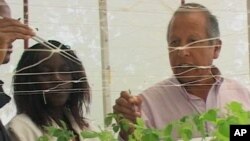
(194, 42)
(10, 30)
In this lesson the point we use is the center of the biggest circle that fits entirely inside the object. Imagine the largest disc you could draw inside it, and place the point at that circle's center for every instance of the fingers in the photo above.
(137, 101)
(17, 29)
(131, 99)
(12, 25)
(122, 108)
(125, 95)
(134, 100)
(9, 37)
(8, 22)
(11, 29)
(126, 104)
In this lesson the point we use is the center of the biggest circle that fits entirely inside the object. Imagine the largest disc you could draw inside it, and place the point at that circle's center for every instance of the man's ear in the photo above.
(217, 48)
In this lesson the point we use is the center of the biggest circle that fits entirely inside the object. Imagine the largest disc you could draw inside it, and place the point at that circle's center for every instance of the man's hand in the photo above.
(10, 30)
(130, 107)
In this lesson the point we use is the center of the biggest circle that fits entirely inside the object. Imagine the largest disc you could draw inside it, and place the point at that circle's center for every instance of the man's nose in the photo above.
(183, 51)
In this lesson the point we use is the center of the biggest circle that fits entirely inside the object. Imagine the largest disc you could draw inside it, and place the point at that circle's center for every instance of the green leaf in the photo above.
(183, 119)
(150, 137)
(137, 134)
(108, 121)
(106, 136)
(62, 138)
(51, 129)
(124, 123)
(223, 128)
(210, 115)
(140, 122)
(168, 138)
(130, 138)
(89, 134)
(235, 106)
(116, 128)
(168, 130)
(200, 125)
(232, 120)
(43, 138)
(186, 134)
(57, 133)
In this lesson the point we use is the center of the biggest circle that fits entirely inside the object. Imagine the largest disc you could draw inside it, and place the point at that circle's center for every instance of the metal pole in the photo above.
(26, 18)
(105, 56)
(182, 2)
(248, 23)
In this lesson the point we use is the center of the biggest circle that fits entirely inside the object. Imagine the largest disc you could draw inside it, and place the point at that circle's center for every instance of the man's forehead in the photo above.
(195, 27)
(191, 12)
(196, 18)
(191, 9)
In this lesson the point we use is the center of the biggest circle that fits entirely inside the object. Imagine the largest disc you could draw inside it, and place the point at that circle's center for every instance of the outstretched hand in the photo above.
(10, 30)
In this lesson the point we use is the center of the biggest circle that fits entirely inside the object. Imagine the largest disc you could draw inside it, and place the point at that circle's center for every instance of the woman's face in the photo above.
(55, 78)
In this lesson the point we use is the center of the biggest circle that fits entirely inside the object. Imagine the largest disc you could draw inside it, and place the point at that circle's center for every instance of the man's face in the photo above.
(5, 12)
(187, 28)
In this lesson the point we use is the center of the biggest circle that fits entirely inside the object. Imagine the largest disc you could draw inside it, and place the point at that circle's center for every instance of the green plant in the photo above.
(104, 135)
(62, 134)
(185, 127)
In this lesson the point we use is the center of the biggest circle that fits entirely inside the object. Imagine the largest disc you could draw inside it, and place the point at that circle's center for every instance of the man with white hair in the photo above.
(196, 85)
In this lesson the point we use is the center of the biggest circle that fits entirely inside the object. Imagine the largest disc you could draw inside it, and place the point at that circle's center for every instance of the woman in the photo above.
(50, 86)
